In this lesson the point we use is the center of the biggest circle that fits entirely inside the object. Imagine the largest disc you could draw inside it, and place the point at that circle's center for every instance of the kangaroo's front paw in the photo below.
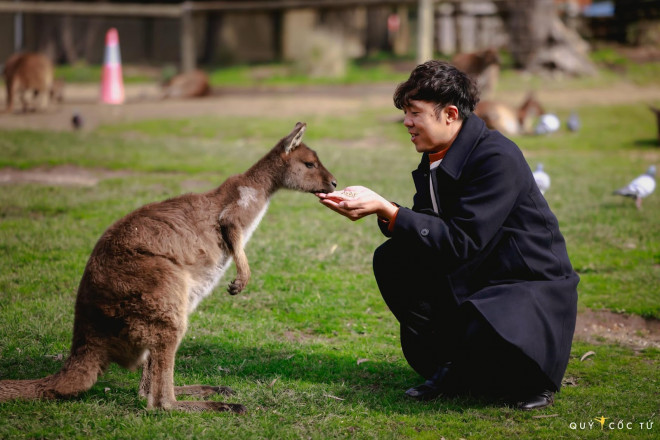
(235, 287)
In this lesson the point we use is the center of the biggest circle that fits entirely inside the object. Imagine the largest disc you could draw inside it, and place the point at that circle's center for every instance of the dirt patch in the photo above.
(143, 102)
(196, 185)
(640, 54)
(598, 326)
(63, 175)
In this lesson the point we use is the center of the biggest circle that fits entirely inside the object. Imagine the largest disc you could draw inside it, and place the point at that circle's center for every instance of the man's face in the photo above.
(429, 132)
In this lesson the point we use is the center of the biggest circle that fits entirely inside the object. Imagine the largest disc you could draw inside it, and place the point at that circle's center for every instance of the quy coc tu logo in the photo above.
(620, 425)
(601, 420)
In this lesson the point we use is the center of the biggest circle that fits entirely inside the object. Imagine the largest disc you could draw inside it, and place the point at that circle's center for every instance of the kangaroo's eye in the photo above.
(309, 164)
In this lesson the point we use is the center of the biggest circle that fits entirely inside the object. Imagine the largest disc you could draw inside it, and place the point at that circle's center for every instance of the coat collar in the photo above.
(471, 132)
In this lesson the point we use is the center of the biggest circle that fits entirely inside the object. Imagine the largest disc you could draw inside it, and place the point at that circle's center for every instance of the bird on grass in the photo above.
(542, 178)
(548, 123)
(640, 187)
(573, 122)
(76, 121)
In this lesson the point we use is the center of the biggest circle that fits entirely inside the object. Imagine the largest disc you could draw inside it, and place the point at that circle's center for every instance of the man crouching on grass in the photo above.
(477, 272)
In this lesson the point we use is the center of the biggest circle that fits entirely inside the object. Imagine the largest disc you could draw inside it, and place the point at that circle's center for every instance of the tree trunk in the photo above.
(68, 40)
(539, 41)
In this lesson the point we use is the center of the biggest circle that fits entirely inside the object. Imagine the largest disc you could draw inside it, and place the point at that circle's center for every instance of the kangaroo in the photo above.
(482, 66)
(501, 117)
(187, 85)
(151, 269)
(29, 72)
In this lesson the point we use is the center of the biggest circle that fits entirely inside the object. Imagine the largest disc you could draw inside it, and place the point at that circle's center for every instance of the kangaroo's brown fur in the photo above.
(482, 66)
(150, 269)
(192, 84)
(501, 117)
(26, 73)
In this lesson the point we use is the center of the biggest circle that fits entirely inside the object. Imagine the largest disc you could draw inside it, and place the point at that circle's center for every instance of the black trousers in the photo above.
(435, 330)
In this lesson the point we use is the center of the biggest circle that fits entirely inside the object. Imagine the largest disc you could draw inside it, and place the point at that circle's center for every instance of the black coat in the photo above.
(497, 243)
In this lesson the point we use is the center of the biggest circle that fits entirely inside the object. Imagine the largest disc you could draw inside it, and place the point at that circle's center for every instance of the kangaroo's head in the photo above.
(303, 171)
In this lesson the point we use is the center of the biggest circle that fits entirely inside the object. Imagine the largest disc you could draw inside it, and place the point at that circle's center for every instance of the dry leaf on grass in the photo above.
(586, 355)
(545, 416)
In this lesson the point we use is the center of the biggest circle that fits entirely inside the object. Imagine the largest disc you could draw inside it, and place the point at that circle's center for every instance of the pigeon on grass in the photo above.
(573, 122)
(542, 178)
(640, 187)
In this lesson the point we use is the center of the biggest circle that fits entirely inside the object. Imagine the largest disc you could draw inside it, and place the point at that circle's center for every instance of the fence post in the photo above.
(467, 24)
(18, 30)
(446, 29)
(188, 55)
(424, 31)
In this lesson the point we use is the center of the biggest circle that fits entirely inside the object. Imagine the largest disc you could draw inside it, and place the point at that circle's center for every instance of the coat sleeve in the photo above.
(489, 189)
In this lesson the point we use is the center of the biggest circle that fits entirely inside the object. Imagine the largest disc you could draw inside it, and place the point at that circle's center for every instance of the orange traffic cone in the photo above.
(112, 82)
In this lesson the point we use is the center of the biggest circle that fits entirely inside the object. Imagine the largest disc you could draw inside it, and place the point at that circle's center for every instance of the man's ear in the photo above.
(452, 113)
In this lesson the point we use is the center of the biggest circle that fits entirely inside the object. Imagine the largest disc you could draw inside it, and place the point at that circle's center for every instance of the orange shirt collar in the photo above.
(434, 157)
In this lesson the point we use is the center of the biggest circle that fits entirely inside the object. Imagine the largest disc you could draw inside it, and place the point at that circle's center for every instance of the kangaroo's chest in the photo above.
(205, 281)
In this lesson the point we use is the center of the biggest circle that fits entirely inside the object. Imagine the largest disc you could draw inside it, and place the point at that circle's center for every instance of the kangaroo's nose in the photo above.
(334, 183)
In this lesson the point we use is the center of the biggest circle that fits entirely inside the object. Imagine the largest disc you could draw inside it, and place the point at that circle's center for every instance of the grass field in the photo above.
(310, 347)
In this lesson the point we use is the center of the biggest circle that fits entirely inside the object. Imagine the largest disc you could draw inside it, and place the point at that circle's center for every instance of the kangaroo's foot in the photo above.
(202, 390)
(236, 408)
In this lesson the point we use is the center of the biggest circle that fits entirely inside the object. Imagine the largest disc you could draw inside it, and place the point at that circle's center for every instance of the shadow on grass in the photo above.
(378, 385)
(648, 143)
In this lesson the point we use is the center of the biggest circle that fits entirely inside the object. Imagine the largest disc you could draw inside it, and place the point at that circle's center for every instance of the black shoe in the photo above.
(537, 401)
(432, 388)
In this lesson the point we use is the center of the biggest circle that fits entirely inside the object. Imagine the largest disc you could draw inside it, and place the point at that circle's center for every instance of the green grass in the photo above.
(286, 74)
(369, 70)
(290, 344)
(613, 67)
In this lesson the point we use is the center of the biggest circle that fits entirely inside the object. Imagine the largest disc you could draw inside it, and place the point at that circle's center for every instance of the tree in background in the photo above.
(539, 41)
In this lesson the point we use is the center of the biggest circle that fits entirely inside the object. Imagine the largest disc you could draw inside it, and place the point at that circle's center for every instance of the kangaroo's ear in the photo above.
(295, 137)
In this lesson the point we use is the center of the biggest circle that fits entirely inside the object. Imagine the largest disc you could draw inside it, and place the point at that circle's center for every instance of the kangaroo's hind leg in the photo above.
(145, 381)
(10, 95)
(186, 390)
(162, 390)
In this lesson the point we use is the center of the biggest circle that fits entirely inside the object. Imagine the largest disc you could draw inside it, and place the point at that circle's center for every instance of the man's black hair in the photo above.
(441, 83)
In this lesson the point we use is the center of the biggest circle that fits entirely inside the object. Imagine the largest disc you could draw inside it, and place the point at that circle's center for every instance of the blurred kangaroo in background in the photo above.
(150, 270)
(192, 84)
(507, 120)
(26, 73)
(482, 66)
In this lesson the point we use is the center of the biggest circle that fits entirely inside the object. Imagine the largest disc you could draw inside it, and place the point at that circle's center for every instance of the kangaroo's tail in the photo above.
(79, 373)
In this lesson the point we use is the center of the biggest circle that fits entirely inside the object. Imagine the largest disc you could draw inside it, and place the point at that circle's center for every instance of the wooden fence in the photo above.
(185, 12)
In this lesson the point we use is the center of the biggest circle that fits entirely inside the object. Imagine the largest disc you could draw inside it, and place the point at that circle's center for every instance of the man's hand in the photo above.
(356, 202)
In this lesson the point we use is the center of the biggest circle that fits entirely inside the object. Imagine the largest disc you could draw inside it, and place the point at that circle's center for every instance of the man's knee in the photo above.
(383, 257)
(398, 256)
